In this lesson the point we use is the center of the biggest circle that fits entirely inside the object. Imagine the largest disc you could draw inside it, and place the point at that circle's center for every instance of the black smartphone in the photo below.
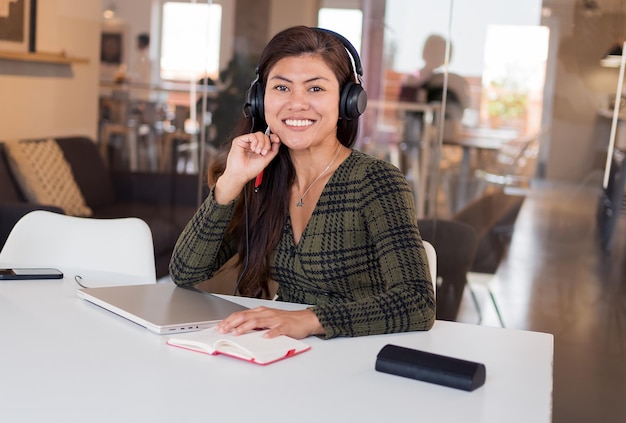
(30, 273)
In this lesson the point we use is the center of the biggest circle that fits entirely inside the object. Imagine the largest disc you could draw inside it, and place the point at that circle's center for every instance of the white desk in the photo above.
(63, 359)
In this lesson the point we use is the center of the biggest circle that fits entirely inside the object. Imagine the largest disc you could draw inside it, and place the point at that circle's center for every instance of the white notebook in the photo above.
(252, 346)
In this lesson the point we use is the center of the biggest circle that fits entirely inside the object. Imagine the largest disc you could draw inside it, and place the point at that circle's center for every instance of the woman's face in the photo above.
(302, 102)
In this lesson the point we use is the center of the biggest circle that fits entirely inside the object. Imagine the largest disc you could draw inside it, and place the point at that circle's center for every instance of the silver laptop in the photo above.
(162, 307)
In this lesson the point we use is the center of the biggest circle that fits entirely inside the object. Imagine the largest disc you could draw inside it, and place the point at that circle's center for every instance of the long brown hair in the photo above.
(267, 209)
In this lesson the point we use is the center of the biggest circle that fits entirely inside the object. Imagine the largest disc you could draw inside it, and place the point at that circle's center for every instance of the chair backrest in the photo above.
(431, 253)
(455, 243)
(100, 251)
(493, 217)
(515, 163)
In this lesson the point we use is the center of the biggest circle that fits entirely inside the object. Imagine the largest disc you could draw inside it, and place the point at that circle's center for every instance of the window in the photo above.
(190, 40)
(514, 75)
(347, 22)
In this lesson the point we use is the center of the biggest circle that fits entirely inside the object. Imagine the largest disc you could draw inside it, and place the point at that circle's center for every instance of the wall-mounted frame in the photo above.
(18, 25)
(112, 47)
(113, 51)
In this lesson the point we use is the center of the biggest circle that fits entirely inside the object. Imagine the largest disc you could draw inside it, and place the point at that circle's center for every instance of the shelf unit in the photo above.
(42, 57)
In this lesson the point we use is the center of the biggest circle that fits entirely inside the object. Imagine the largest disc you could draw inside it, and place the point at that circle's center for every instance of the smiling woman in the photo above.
(333, 227)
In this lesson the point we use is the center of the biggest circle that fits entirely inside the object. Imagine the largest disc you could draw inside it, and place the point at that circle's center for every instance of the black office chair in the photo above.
(493, 218)
(455, 243)
(611, 201)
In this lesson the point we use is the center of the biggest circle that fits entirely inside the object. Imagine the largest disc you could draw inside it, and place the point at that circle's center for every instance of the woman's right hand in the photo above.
(249, 154)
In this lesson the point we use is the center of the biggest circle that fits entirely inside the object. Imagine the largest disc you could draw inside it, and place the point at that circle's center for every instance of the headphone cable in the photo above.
(246, 227)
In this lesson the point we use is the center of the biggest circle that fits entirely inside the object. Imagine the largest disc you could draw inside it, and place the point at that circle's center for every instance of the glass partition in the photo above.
(455, 89)
(173, 119)
(469, 99)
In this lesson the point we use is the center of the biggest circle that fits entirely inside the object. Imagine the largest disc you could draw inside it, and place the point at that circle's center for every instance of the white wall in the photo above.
(582, 87)
(137, 19)
(40, 99)
(286, 13)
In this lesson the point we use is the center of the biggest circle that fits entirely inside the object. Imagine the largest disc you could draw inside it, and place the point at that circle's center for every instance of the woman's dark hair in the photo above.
(267, 209)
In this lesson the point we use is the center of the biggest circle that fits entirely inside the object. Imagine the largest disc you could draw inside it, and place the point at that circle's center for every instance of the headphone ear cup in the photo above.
(254, 102)
(353, 101)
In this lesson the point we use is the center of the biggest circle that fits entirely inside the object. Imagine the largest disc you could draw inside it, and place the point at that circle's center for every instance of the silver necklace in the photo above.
(300, 203)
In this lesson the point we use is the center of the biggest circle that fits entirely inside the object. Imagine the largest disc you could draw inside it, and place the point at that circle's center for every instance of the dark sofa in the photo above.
(165, 201)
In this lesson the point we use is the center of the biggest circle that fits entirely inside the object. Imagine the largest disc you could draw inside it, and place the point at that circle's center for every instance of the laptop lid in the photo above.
(162, 307)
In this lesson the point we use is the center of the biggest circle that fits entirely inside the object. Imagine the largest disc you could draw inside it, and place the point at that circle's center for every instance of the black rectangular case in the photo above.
(429, 367)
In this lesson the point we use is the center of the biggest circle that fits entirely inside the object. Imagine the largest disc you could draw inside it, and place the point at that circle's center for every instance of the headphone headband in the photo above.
(358, 67)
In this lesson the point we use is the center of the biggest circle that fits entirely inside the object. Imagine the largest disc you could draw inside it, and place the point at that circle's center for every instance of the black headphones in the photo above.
(352, 101)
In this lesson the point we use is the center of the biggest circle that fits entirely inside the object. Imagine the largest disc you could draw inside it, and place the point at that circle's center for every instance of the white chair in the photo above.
(493, 216)
(484, 280)
(93, 252)
(432, 262)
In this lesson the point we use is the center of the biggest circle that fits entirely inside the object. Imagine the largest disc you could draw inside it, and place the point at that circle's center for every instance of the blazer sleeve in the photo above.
(203, 247)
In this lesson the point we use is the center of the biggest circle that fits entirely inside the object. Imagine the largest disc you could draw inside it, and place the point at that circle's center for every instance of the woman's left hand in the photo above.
(296, 324)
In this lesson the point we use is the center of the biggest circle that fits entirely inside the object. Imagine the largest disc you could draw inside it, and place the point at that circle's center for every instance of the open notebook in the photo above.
(252, 346)
(163, 308)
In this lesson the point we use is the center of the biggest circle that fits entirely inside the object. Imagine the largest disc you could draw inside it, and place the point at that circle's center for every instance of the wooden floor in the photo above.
(556, 279)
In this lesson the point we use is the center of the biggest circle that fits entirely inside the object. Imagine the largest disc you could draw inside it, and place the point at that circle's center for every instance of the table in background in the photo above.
(476, 139)
(64, 359)
(137, 110)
